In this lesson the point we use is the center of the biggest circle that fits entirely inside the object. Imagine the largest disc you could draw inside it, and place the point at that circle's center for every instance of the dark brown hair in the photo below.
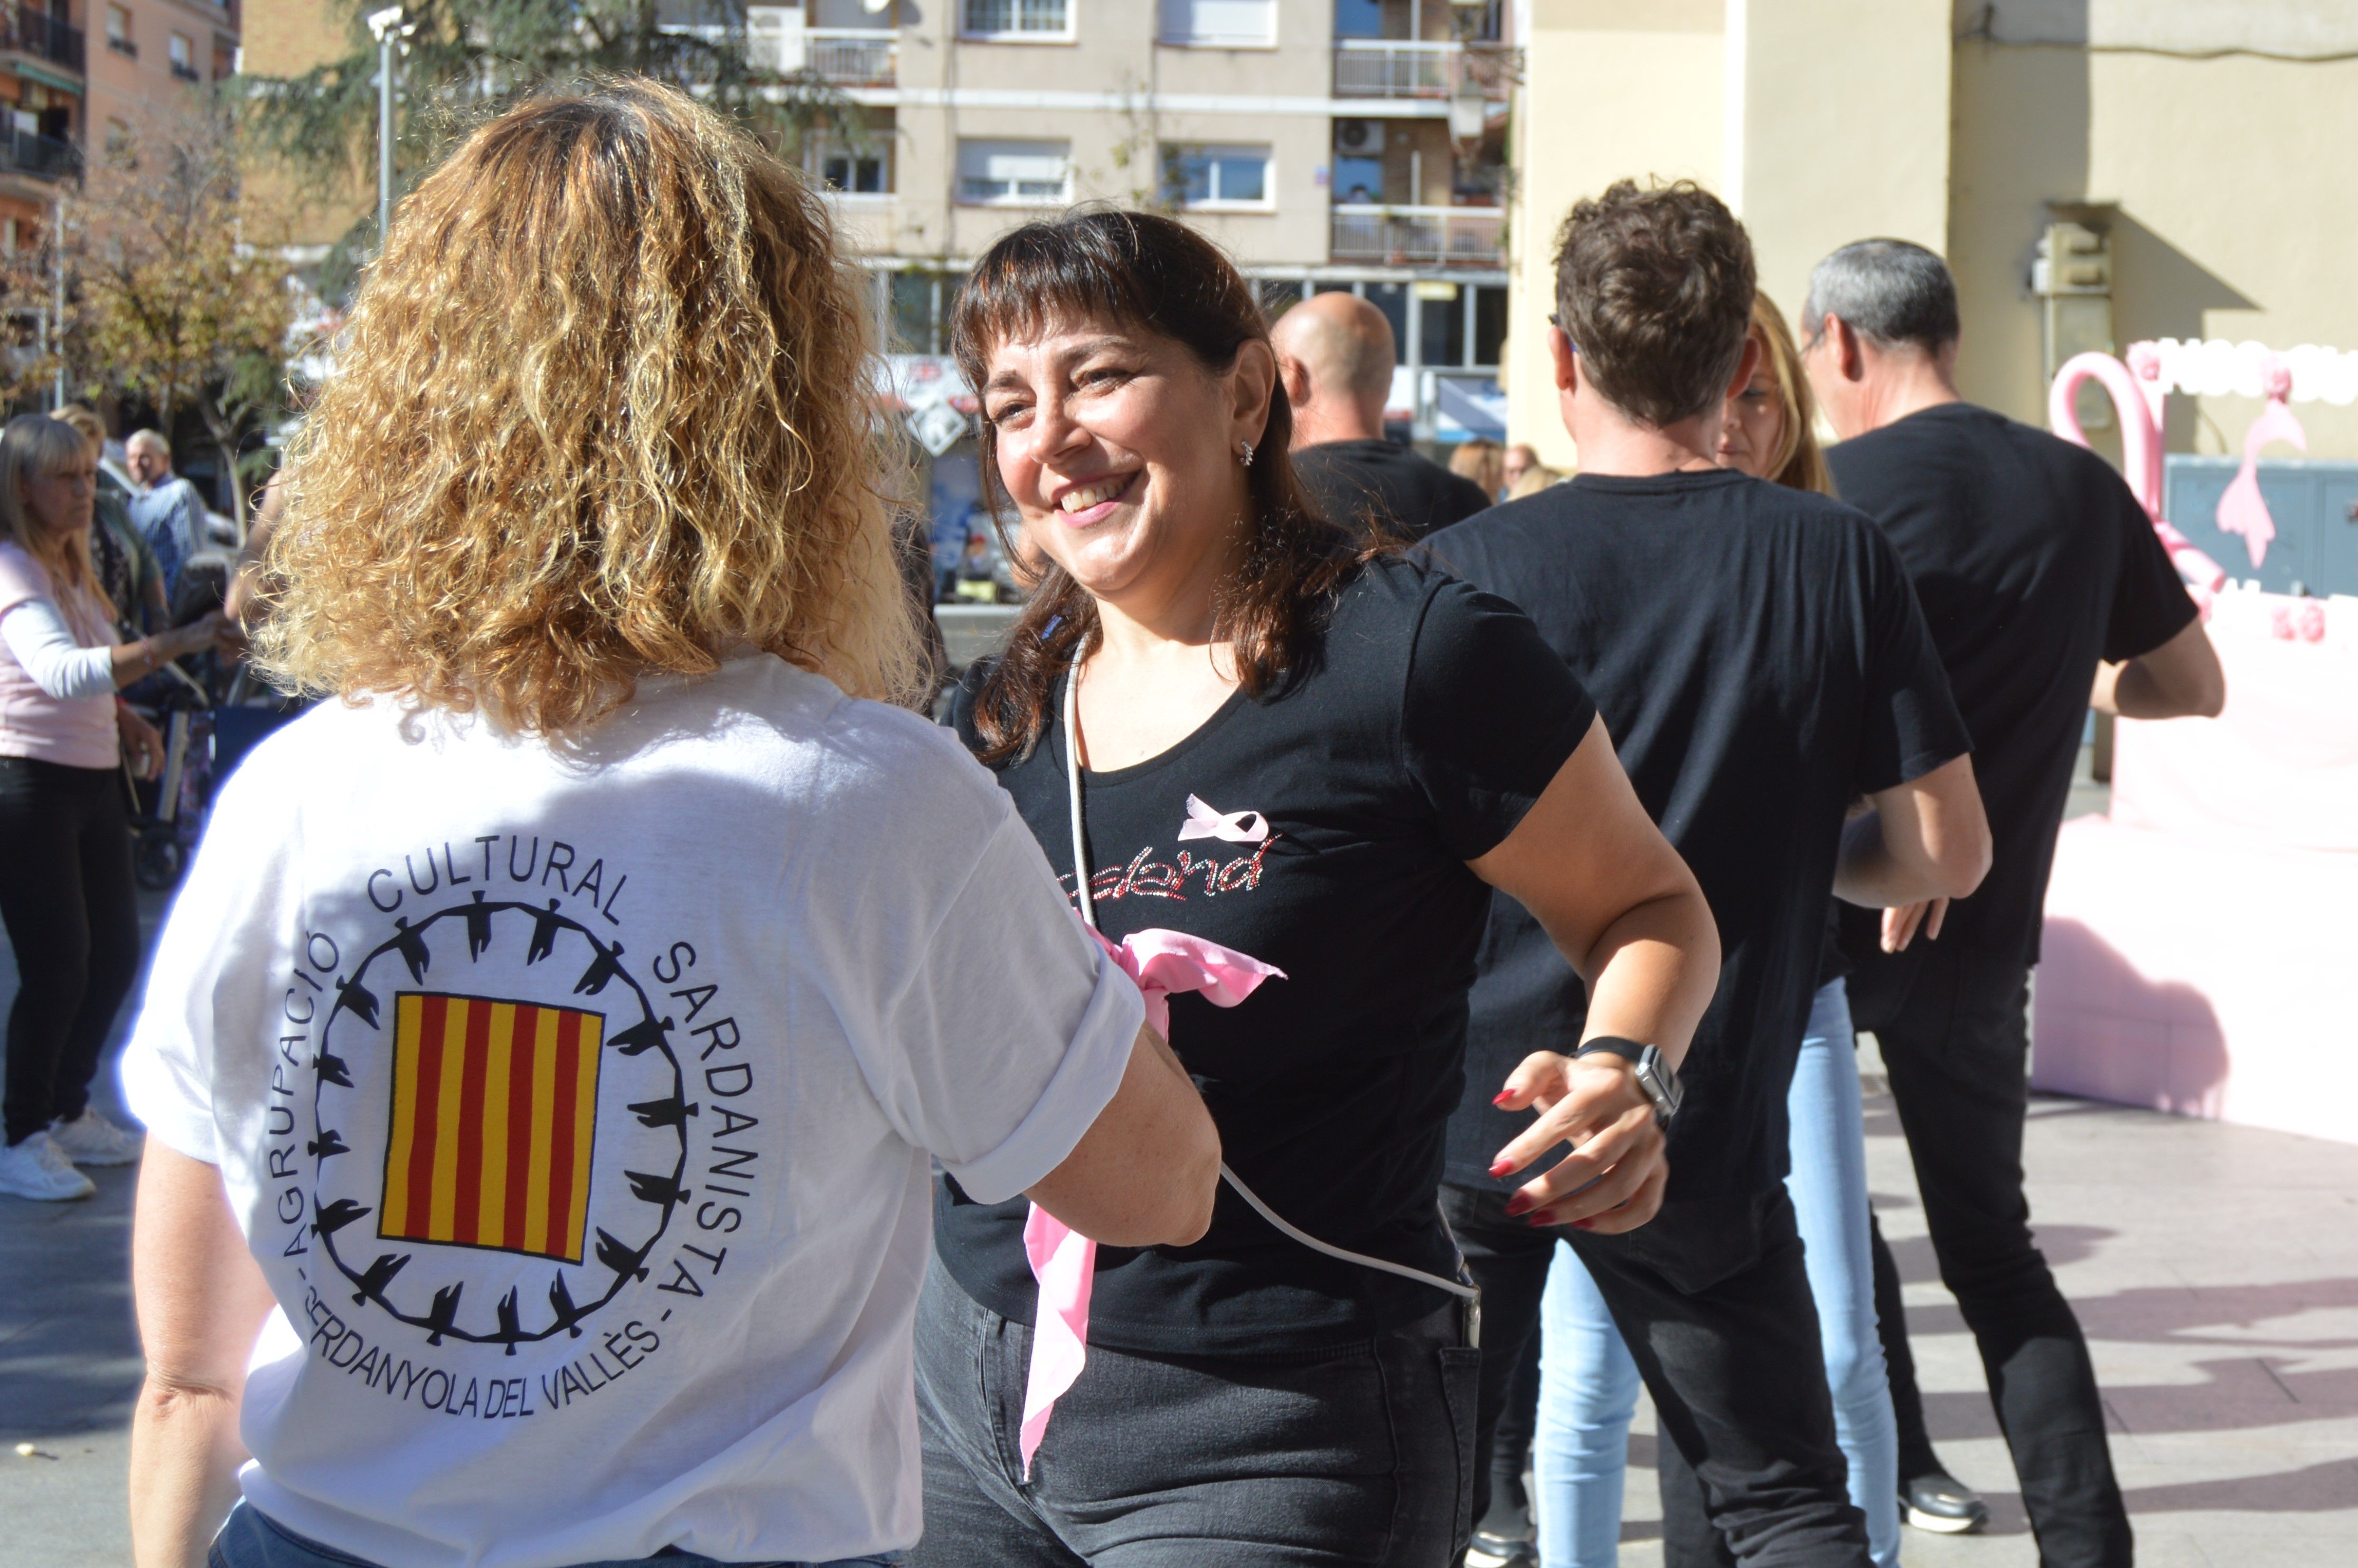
(1654, 289)
(1143, 273)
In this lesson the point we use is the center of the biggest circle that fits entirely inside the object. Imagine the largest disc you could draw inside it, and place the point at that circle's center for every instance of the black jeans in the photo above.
(1509, 1260)
(72, 913)
(1359, 1454)
(1953, 1025)
(1714, 1305)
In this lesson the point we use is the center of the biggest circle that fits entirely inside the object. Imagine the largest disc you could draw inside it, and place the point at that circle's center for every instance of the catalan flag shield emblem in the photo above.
(494, 1103)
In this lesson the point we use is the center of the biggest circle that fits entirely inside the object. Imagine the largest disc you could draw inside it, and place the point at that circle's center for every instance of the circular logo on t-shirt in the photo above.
(516, 1145)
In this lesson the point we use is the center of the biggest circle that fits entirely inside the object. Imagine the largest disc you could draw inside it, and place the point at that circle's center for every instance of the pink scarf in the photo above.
(1164, 963)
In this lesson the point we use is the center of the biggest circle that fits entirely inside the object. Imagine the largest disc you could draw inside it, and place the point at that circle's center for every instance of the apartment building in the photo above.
(141, 52)
(1327, 144)
(44, 88)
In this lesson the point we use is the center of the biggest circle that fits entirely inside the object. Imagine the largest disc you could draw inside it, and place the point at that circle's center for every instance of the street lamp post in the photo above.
(385, 26)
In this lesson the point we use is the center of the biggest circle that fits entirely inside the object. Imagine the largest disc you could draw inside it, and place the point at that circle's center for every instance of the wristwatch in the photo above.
(1660, 1083)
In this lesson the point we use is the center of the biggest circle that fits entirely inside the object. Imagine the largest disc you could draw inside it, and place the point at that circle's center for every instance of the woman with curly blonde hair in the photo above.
(558, 1027)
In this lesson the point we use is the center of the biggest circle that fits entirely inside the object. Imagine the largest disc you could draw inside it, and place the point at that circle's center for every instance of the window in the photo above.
(1015, 174)
(1017, 18)
(184, 57)
(1358, 182)
(919, 306)
(1220, 23)
(844, 172)
(118, 32)
(1216, 177)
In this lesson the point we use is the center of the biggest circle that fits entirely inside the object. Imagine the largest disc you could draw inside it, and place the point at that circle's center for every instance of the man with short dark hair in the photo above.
(1760, 663)
(2045, 588)
(1335, 352)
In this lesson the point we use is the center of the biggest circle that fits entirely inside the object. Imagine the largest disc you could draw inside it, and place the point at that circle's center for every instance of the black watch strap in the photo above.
(1628, 1051)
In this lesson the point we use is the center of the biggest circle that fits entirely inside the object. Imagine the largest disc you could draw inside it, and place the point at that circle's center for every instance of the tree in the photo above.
(466, 60)
(184, 300)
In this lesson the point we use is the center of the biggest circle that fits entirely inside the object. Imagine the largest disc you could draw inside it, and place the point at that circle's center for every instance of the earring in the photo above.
(1248, 452)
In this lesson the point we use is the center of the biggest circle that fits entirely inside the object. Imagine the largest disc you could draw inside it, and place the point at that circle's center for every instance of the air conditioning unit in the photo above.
(1361, 138)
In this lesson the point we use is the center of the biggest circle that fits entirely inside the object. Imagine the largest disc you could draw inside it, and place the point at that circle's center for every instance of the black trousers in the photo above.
(1714, 1305)
(1953, 1025)
(1509, 1260)
(73, 914)
(1356, 1454)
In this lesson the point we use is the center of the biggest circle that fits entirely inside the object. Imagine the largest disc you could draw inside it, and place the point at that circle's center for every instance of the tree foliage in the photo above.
(464, 61)
(183, 297)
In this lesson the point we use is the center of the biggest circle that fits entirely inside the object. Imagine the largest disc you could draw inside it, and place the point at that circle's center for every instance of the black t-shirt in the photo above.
(1425, 723)
(2032, 561)
(1760, 662)
(1378, 485)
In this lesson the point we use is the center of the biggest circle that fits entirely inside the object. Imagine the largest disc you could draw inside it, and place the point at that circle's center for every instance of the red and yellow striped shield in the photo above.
(494, 1105)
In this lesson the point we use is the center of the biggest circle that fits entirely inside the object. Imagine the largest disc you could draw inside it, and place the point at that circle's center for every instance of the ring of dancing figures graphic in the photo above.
(493, 1125)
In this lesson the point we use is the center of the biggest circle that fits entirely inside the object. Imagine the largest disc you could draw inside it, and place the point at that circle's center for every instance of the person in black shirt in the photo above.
(1335, 355)
(1224, 719)
(2046, 589)
(1758, 658)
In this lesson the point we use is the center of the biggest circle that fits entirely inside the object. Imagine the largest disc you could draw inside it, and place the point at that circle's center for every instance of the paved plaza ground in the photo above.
(2215, 1269)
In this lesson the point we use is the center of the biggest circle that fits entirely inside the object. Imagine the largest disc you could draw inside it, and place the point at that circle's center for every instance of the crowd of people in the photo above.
(1364, 982)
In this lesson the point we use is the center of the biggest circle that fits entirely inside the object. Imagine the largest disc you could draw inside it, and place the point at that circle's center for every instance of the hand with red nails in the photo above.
(1613, 1180)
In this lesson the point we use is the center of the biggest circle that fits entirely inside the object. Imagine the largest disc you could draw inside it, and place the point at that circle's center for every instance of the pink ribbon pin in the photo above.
(1230, 826)
(1065, 1262)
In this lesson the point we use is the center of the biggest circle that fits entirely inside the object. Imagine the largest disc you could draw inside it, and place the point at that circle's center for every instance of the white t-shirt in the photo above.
(577, 1106)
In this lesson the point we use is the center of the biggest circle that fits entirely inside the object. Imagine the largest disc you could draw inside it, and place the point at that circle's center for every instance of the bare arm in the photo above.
(2181, 679)
(1925, 839)
(1146, 1171)
(1623, 908)
(201, 1300)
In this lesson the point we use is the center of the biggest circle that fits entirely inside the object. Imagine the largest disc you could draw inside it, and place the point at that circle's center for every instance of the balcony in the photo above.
(44, 157)
(42, 35)
(851, 56)
(1402, 68)
(1410, 236)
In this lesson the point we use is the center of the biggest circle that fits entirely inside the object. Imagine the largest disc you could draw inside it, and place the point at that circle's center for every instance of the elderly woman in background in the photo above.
(127, 565)
(66, 889)
(557, 1029)
(1226, 722)
(1591, 1384)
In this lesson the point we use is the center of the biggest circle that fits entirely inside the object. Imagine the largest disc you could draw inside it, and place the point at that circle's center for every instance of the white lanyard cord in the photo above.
(1089, 916)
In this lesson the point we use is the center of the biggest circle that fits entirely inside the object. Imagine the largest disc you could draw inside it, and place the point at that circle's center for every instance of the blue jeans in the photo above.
(1589, 1383)
(251, 1540)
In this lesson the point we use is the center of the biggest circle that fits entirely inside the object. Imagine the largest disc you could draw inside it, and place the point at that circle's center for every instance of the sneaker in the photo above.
(91, 1139)
(35, 1169)
(1488, 1551)
(1939, 1502)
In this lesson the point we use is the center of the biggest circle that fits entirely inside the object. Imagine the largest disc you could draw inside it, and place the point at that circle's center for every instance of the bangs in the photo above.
(54, 448)
(1094, 266)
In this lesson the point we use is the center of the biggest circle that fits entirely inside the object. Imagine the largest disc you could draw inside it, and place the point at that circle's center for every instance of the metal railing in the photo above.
(1460, 237)
(33, 32)
(1402, 68)
(851, 56)
(45, 157)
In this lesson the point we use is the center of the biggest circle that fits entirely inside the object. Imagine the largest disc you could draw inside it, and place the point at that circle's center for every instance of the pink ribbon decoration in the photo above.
(1231, 826)
(1065, 1262)
(2242, 509)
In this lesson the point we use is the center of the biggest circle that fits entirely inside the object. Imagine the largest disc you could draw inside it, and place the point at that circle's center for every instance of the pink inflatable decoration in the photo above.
(2137, 392)
(2242, 510)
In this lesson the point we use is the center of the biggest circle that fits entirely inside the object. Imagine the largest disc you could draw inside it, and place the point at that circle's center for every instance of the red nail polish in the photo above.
(1502, 1097)
(1541, 1218)
(1517, 1204)
(1584, 1225)
(1502, 1167)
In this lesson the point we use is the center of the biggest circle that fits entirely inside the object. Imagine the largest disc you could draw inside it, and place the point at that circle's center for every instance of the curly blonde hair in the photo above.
(1800, 462)
(604, 409)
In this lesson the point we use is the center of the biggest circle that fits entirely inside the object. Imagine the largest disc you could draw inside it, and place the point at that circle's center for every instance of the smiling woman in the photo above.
(1237, 733)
